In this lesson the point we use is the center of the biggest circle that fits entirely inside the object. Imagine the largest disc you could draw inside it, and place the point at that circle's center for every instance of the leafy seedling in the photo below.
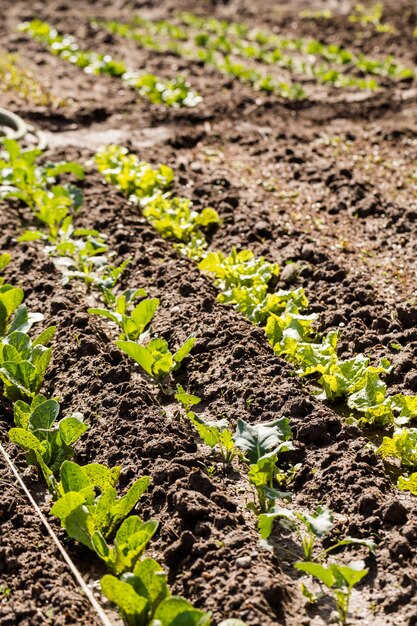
(91, 519)
(133, 323)
(143, 598)
(339, 579)
(48, 443)
(261, 444)
(155, 358)
(23, 362)
(214, 433)
(307, 526)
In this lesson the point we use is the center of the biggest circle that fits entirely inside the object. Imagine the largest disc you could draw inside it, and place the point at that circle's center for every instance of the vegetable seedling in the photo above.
(261, 444)
(339, 579)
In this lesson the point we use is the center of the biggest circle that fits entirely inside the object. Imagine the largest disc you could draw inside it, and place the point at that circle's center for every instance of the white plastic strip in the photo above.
(96, 606)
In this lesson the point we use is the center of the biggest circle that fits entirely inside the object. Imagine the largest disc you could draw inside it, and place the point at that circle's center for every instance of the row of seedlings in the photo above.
(243, 281)
(270, 42)
(210, 55)
(103, 523)
(221, 44)
(262, 445)
(174, 93)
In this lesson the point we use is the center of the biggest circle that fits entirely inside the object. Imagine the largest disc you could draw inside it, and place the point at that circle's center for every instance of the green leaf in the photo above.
(320, 522)
(66, 505)
(26, 440)
(408, 483)
(104, 313)
(30, 235)
(125, 504)
(73, 477)
(101, 476)
(209, 431)
(186, 399)
(150, 581)
(349, 541)
(43, 416)
(266, 520)
(257, 440)
(71, 429)
(45, 337)
(176, 611)
(5, 259)
(182, 352)
(132, 606)
(138, 353)
(131, 541)
(143, 313)
(350, 574)
(406, 406)
(322, 572)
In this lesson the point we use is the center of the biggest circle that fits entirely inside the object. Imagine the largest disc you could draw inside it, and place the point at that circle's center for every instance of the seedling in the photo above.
(307, 526)
(48, 443)
(143, 598)
(262, 444)
(155, 357)
(402, 446)
(91, 519)
(133, 323)
(23, 363)
(214, 433)
(339, 579)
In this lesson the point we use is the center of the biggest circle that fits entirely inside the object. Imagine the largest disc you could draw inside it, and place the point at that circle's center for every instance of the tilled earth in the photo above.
(329, 182)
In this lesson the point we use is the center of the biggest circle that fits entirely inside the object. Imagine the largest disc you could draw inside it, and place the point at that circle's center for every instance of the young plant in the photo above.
(155, 357)
(243, 281)
(48, 443)
(261, 445)
(306, 525)
(129, 544)
(143, 598)
(80, 254)
(132, 324)
(175, 92)
(91, 519)
(214, 433)
(23, 363)
(339, 579)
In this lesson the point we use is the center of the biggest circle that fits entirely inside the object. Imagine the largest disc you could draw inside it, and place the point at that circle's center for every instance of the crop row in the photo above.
(243, 281)
(220, 52)
(85, 498)
(269, 41)
(82, 254)
(264, 443)
(210, 54)
(175, 92)
(218, 43)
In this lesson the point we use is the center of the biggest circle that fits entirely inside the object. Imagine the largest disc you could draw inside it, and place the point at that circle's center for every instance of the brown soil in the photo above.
(327, 182)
